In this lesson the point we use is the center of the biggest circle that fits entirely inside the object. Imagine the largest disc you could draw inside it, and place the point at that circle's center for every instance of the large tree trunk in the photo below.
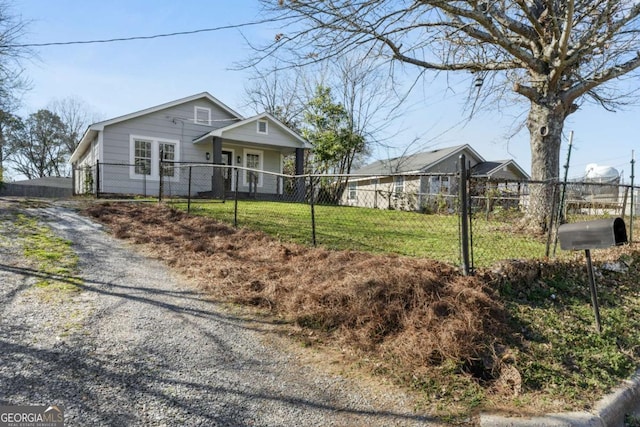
(1, 155)
(545, 124)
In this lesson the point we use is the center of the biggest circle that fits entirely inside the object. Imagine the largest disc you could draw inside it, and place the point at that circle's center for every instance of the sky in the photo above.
(114, 79)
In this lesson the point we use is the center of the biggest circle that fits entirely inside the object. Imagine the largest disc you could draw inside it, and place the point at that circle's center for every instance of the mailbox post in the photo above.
(587, 235)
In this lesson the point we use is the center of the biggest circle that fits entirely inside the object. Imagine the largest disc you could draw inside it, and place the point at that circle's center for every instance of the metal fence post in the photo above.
(464, 215)
(160, 184)
(593, 290)
(313, 211)
(633, 206)
(554, 205)
(189, 192)
(235, 199)
(74, 190)
(560, 217)
(97, 179)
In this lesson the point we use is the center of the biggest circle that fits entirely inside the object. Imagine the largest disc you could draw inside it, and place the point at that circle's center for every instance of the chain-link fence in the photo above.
(221, 182)
(501, 230)
(408, 214)
(497, 217)
(115, 180)
(404, 214)
(84, 180)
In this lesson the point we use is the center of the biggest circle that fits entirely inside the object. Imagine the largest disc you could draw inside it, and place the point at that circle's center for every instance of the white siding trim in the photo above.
(352, 191)
(233, 163)
(155, 157)
(197, 108)
(266, 126)
(100, 157)
(99, 127)
(100, 147)
(398, 184)
(280, 188)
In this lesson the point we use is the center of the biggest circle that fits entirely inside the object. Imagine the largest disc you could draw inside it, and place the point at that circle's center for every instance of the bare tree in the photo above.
(343, 106)
(278, 92)
(370, 98)
(12, 81)
(556, 54)
(359, 84)
(76, 115)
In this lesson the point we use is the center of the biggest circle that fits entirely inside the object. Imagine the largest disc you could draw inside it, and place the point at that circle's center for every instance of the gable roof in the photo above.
(93, 129)
(486, 169)
(221, 131)
(205, 95)
(415, 163)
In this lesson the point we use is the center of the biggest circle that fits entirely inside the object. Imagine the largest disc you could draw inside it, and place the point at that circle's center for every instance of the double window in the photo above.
(145, 155)
(440, 185)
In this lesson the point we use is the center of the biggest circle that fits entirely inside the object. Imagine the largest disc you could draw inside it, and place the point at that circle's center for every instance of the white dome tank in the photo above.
(605, 173)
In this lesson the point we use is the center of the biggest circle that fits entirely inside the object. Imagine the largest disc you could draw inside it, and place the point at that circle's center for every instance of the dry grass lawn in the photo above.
(418, 321)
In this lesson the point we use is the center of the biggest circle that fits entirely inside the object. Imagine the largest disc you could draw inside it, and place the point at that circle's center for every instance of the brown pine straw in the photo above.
(417, 312)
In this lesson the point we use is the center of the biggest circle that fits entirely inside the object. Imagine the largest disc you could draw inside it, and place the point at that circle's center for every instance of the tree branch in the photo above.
(570, 95)
(493, 34)
(526, 91)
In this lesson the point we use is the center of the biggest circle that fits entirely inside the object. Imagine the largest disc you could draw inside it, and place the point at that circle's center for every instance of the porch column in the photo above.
(217, 181)
(300, 186)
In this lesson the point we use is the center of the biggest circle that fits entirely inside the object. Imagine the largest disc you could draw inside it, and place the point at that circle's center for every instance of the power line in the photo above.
(154, 36)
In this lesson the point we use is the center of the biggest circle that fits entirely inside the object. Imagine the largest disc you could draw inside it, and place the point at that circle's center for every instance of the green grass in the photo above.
(379, 231)
(53, 257)
(564, 356)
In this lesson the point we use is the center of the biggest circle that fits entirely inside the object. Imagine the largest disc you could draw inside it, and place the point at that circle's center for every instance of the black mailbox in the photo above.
(602, 233)
(598, 234)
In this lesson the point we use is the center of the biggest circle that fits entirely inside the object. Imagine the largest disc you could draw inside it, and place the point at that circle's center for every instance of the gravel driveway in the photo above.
(140, 347)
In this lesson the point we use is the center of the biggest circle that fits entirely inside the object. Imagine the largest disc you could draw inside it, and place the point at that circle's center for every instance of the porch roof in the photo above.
(293, 140)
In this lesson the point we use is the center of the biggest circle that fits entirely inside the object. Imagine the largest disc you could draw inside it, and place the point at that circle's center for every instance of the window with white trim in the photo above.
(398, 185)
(253, 159)
(440, 185)
(353, 191)
(202, 116)
(263, 127)
(168, 152)
(145, 153)
(444, 185)
(142, 157)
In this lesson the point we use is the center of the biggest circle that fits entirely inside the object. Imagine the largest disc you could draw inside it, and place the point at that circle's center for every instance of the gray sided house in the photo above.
(197, 130)
(422, 181)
